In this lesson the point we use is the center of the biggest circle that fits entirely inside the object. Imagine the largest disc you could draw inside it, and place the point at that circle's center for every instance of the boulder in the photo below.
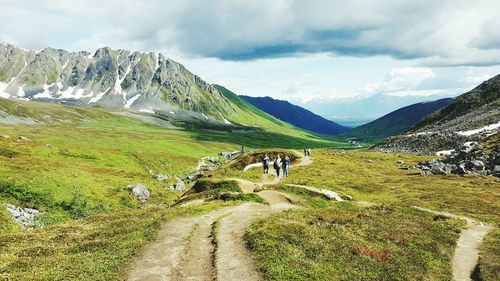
(139, 191)
(6, 136)
(179, 186)
(401, 162)
(25, 217)
(23, 138)
(332, 195)
(160, 177)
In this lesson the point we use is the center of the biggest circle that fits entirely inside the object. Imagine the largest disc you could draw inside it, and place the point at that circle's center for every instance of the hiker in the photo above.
(286, 166)
(265, 164)
(305, 151)
(277, 165)
(308, 152)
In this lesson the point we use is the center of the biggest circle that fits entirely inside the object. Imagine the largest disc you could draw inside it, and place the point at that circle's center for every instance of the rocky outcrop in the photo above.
(466, 159)
(25, 217)
(160, 177)
(139, 191)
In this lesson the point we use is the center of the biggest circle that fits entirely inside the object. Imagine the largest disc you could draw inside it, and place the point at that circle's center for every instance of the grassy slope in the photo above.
(78, 164)
(249, 114)
(349, 243)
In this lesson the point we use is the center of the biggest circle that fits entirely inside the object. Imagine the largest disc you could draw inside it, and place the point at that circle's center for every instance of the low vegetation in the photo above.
(350, 243)
(97, 247)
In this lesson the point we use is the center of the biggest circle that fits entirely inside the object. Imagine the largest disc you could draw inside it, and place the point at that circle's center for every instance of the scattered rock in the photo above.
(160, 177)
(332, 195)
(179, 186)
(231, 155)
(347, 197)
(401, 162)
(6, 136)
(25, 217)
(469, 158)
(23, 138)
(140, 191)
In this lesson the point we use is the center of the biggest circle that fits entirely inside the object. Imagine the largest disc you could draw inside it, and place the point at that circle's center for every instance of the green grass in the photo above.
(300, 246)
(98, 247)
(489, 265)
(225, 190)
(348, 243)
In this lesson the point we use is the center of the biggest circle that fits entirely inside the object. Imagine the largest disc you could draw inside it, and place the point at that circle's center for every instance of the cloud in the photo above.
(449, 32)
(400, 79)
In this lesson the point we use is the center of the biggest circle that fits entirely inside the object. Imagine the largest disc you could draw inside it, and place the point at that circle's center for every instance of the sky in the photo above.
(301, 51)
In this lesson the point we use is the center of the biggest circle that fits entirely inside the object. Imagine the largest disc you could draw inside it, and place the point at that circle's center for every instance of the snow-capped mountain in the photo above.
(108, 78)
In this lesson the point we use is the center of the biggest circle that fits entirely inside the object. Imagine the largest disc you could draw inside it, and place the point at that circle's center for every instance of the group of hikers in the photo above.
(278, 165)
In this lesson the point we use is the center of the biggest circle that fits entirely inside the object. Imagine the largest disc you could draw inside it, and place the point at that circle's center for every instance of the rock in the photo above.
(23, 138)
(180, 186)
(6, 136)
(401, 162)
(160, 177)
(231, 155)
(332, 195)
(25, 217)
(347, 197)
(140, 191)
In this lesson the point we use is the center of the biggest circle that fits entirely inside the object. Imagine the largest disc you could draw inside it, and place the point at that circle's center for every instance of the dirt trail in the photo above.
(187, 250)
(466, 254)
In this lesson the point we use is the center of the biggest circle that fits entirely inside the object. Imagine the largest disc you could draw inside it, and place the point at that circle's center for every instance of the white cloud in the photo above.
(400, 79)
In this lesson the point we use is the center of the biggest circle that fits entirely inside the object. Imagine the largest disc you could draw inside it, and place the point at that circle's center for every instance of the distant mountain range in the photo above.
(358, 110)
(398, 121)
(296, 115)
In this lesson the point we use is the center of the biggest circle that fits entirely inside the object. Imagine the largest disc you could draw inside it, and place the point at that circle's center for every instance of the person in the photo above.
(305, 151)
(265, 164)
(286, 166)
(277, 165)
(308, 152)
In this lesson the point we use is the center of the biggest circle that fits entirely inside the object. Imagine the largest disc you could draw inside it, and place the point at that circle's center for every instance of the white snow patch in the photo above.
(227, 122)
(79, 93)
(66, 94)
(445, 152)
(147, 110)
(204, 115)
(98, 96)
(45, 93)
(3, 87)
(59, 85)
(486, 129)
(20, 92)
(420, 134)
(171, 112)
(254, 165)
(118, 82)
(132, 100)
(65, 64)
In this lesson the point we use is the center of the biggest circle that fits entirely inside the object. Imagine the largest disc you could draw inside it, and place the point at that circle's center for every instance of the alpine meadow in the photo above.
(249, 140)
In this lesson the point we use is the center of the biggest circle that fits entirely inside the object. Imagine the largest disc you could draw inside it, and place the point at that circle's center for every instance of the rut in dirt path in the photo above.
(466, 255)
(187, 248)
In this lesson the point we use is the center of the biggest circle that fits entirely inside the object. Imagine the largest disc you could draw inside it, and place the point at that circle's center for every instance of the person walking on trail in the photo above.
(308, 152)
(286, 166)
(265, 164)
(277, 165)
(305, 151)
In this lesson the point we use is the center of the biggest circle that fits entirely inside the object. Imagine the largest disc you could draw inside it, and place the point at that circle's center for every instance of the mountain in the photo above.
(359, 110)
(296, 115)
(398, 121)
(117, 79)
(476, 108)
(472, 116)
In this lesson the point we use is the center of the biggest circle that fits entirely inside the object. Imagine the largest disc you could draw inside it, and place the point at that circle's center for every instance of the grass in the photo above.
(224, 190)
(489, 266)
(300, 245)
(349, 243)
(97, 247)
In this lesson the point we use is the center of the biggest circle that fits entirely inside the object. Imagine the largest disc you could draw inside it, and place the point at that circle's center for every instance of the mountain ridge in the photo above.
(296, 115)
(109, 78)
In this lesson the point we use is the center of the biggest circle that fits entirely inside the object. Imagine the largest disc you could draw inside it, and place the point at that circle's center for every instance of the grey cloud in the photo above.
(440, 32)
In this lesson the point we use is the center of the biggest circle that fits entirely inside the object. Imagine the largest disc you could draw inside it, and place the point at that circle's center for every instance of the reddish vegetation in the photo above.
(373, 253)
